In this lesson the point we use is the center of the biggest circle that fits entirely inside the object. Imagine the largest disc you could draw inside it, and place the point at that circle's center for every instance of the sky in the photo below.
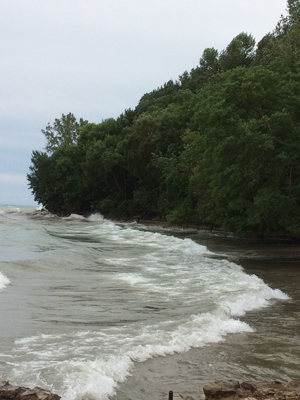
(96, 58)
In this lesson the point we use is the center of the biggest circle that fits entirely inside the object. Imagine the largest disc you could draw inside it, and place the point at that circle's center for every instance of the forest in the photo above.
(218, 147)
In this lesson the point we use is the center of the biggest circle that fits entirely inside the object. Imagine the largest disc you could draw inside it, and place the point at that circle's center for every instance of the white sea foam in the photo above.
(73, 217)
(94, 363)
(98, 377)
(152, 240)
(96, 217)
(145, 294)
(4, 281)
(37, 338)
(134, 279)
(13, 209)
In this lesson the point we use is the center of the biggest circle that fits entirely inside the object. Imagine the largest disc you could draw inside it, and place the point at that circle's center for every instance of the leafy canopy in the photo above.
(64, 131)
(218, 147)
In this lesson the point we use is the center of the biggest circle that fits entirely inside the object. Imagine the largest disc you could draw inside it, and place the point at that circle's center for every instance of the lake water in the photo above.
(93, 309)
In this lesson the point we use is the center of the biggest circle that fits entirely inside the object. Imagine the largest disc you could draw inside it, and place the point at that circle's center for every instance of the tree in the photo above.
(40, 177)
(58, 182)
(63, 131)
(209, 60)
(246, 155)
(290, 21)
(219, 147)
(239, 52)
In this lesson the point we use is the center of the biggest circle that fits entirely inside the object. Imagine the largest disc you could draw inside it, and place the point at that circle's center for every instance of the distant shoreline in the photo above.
(272, 239)
(275, 239)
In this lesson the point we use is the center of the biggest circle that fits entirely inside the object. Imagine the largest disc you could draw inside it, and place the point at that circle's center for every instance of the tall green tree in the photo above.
(239, 52)
(58, 182)
(63, 131)
(247, 124)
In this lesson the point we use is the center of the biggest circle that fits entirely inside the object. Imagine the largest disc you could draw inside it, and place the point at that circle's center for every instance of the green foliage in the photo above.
(57, 181)
(63, 131)
(158, 98)
(218, 147)
(245, 151)
(209, 62)
(239, 52)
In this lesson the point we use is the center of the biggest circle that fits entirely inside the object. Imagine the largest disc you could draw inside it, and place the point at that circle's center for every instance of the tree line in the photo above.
(220, 146)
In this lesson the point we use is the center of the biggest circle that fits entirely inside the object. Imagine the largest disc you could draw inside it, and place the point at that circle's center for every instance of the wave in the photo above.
(4, 281)
(98, 377)
(146, 294)
(91, 364)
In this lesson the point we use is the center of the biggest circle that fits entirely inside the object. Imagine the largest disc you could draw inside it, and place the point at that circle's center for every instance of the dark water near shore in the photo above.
(97, 310)
(271, 352)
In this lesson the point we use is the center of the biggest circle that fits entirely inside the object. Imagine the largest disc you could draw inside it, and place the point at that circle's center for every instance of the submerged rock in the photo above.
(265, 390)
(10, 392)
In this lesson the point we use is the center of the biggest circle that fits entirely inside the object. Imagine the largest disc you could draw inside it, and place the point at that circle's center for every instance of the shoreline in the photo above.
(274, 238)
(220, 390)
(290, 241)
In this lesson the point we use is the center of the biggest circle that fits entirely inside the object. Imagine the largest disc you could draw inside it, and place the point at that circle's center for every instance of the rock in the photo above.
(189, 398)
(265, 390)
(9, 392)
(221, 389)
(29, 395)
(4, 383)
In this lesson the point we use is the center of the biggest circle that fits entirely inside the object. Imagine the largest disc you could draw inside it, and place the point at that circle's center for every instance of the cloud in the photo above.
(14, 190)
(12, 179)
(96, 58)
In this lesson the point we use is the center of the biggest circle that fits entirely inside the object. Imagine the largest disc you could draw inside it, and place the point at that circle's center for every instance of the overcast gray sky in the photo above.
(95, 58)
